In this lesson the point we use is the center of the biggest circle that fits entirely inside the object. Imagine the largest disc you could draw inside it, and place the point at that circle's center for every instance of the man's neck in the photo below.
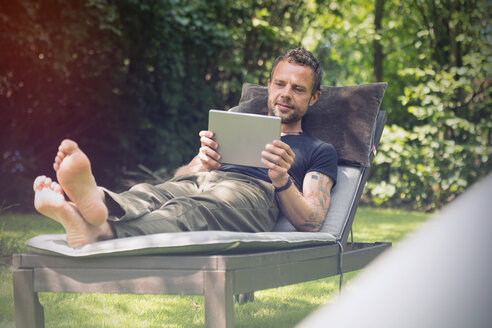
(294, 128)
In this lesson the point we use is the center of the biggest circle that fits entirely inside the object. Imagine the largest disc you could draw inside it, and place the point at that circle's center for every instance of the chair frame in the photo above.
(217, 277)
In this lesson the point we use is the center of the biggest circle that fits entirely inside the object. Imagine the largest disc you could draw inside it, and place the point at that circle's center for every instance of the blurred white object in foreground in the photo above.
(440, 276)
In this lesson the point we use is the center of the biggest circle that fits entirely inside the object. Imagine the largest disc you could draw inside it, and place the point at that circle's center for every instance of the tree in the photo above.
(435, 59)
(376, 43)
(131, 81)
(441, 144)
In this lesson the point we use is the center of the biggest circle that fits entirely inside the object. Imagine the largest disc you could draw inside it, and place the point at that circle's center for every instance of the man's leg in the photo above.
(145, 198)
(74, 174)
(147, 209)
(200, 202)
(236, 202)
(50, 201)
(214, 201)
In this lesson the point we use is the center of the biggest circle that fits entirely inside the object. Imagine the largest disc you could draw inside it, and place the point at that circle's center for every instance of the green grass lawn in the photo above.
(279, 307)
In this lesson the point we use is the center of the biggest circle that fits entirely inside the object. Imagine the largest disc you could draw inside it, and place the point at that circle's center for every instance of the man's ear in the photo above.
(268, 84)
(314, 98)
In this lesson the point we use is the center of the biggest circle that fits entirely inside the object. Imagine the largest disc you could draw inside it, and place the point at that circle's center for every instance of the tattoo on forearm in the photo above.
(312, 226)
(324, 195)
(320, 206)
(313, 220)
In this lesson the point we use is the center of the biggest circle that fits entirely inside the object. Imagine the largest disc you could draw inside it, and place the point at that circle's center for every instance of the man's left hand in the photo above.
(278, 157)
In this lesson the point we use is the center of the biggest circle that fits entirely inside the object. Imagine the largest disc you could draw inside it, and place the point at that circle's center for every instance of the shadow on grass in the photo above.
(286, 306)
(280, 307)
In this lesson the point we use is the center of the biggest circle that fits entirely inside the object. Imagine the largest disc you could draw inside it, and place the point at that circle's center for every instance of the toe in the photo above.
(68, 146)
(59, 157)
(58, 189)
(55, 187)
(38, 182)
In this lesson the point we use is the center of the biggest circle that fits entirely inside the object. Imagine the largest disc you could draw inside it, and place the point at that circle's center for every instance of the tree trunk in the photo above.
(377, 48)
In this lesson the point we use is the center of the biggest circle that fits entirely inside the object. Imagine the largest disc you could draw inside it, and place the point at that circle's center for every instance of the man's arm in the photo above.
(307, 210)
(207, 158)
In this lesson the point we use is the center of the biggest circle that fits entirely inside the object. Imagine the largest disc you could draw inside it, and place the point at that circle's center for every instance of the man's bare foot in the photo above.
(50, 201)
(73, 171)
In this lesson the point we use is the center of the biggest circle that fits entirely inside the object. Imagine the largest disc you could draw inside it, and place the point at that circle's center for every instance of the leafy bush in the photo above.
(450, 146)
(130, 81)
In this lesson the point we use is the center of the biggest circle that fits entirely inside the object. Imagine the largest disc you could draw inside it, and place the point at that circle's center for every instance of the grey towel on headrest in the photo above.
(343, 116)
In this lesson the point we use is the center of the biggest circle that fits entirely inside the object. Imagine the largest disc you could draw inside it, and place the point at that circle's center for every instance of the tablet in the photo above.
(242, 136)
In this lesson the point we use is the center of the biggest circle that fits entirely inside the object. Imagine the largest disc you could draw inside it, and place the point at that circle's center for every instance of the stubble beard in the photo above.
(293, 116)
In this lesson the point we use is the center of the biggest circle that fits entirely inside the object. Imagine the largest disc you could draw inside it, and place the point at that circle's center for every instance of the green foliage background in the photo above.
(132, 82)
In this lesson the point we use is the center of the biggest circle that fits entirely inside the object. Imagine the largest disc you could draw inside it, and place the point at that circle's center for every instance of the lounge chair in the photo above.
(220, 264)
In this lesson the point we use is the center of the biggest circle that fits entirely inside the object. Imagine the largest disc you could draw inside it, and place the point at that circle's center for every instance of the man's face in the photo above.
(290, 91)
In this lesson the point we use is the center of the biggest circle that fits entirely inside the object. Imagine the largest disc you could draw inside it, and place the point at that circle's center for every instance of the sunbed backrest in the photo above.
(346, 194)
(343, 197)
(348, 118)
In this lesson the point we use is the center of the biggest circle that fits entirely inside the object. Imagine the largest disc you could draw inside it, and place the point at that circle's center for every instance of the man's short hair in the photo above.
(301, 56)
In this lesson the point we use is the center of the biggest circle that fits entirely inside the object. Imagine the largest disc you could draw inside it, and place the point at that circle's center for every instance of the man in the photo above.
(205, 195)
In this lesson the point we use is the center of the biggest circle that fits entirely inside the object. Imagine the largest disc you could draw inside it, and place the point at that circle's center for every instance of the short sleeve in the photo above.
(324, 160)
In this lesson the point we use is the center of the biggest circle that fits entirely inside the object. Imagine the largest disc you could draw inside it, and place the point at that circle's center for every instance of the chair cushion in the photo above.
(342, 197)
(343, 116)
(284, 235)
(195, 242)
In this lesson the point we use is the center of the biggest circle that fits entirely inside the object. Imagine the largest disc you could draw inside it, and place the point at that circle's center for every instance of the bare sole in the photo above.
(50, 201)
(73, 171)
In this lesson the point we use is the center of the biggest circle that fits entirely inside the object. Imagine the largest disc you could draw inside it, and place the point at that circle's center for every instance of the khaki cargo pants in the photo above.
(205, 201)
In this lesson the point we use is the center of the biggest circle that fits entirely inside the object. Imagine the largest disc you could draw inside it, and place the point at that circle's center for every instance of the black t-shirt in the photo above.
(312, 155)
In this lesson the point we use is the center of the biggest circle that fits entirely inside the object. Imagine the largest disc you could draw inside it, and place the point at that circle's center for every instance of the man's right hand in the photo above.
(208, 155)
(207, 158)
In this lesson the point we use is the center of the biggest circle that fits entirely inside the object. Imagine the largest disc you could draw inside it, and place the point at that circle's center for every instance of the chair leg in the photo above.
(219, 305)
(244, 298)
(29, 312)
